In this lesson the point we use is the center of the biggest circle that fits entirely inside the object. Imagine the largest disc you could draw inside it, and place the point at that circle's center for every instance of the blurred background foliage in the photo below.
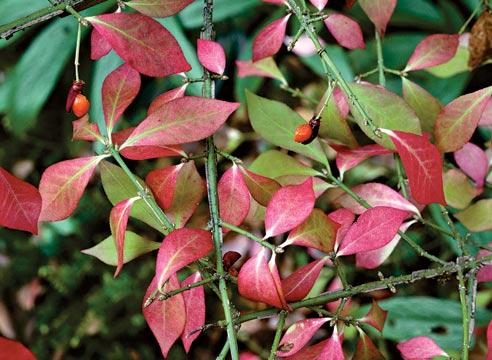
(64, 304)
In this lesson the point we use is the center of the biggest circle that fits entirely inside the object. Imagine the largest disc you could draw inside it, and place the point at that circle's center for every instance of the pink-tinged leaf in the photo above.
(260, 187)
(183, 120)
(459, 119)
(165, 318)
(144, 152)
(347, 158)
(477, 217)
(376, 316)
(142, 43)
(166, 97)
(434, 50)
(119, 89)
(379, 12)
(346, 31)
(298, 335)
(162, 182)
(289, 207)
(489, 341)
(473, 161)
(374, 258)
(297, 285)
(375, 194)
(341, 101)
(63, 184)
(10, 349)
(420, 347)
(20, 203)
(486, 118)
(333, 348)
(319, 4)
(194, 300)
(211, 55)
(248, 356)
(99, 46)
(485, 272)
(319, 185)
(180, 248)
(262, 68)
(423, 166)
(373, 229)
(233, 197)
(158, 8)
(257, 282)
(345, 219)
(118, 219)
(332, 306)
(309, 352)
(318, 231)
(366, 350)
(304, 46)
(269, 40)
(84, 130)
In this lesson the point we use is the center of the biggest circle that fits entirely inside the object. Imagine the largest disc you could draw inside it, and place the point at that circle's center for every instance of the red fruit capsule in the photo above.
(229, 259)
(303, 133)
(80, 106)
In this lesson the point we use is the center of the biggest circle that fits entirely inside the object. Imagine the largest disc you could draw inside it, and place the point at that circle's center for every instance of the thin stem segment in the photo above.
(278, 334)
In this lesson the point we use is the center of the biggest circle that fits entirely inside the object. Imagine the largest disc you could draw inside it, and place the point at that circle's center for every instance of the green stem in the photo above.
(213, 199)
(166, 295)
(278, 334)
(470, 18)
(379, 50)
(77, 53)
(224, 351)
(465, 315)
(243, 232)
(144, 193)
(298, 93)
(366, 74)
(401, 176)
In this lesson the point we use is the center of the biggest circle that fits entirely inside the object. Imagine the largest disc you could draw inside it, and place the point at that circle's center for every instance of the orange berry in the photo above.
(80, 106)
(303, 133)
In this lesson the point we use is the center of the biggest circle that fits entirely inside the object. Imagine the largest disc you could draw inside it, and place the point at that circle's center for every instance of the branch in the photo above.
(40, 16)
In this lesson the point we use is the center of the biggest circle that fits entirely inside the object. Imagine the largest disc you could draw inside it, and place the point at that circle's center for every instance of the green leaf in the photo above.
(334, 126)
(276, 122)
(423, 103)
(458, 64)
(418, 13)
(458, 190)
(339, 57)
(439, 319)
(135, 245)
(118, 187)
(386, 109)
(284, 165)
(477, 217)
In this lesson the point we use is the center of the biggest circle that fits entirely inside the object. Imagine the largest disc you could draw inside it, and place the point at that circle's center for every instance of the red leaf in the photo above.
(119, 89)
(180, 248)
(379, 11)
(420, 347)
(118, 219)
(423, 166)
(473, 161)
(183, 120)
(485, 272)
(344, 218)
(433, 50)
(250, 68)
(194, 300)
(333, 348)
(486, 118)
(162, 182)
(289, 207)
(165, 318)
(258, 281)
(21, 203)
(373, 229)
(489, 341)
(99, 46)
(374, 258)
(309, 352)
(63, 184)
(376, 195)
(346, 31)
(260, 187)
(376, 316)
(319, 4)
(298, 335)
(10, 349)
(459, 119)
(142, 43)
(318, 231)
(144, 152)
(269, 40)
(166, 97)
(348, 158)
(84, 130)
(158, 8)
(366, 350)
(211, 55)
(297, 285)
(233, 197)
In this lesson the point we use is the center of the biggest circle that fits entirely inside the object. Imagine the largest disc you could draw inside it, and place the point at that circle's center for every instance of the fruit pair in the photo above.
(76, 101)
(306, 133)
